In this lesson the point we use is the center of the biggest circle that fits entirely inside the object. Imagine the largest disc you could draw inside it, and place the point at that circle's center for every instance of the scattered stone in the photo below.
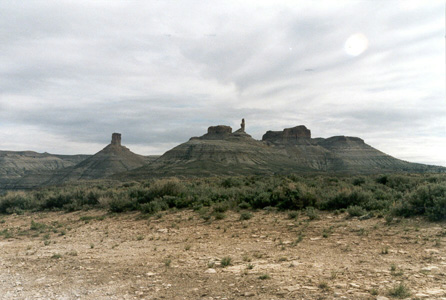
(352, 284)
(431, 269)
(432, 250)
(292, 288)
(249, 294)
(421, 295)
(210, 271)
(436, 292)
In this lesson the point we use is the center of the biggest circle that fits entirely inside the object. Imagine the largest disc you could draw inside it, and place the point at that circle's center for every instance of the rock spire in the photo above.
(116, 139)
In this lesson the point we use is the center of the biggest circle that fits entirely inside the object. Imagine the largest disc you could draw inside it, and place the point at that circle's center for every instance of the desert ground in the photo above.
(254, 255)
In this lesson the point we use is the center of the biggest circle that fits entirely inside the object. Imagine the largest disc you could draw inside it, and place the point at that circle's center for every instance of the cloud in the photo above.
(160, 72)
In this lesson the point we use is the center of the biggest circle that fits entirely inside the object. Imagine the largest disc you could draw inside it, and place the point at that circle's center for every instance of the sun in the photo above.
(356, 44)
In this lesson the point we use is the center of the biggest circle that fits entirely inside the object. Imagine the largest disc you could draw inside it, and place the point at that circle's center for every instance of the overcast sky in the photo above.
(159, 72)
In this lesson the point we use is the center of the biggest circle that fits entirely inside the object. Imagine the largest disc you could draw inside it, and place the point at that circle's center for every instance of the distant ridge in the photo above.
(223, 152)
(218, 152)
(48, 169)
(15, 166)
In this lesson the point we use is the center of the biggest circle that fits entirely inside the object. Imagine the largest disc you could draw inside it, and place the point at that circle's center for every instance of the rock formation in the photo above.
(217, 132)
(116, 139)
(287, 135)
(220, 129)
(220, 152)
(114, 158)
(241, 130)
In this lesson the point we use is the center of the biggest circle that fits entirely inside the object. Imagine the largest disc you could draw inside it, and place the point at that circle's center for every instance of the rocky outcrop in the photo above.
(291, 135)
(217, 132)
(220, 129)
(220, 152)
(116, 139)
(241, 130)
(230, 154)
(114, 158)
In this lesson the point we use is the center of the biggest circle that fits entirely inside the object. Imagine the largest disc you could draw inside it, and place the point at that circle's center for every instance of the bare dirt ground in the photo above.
(94, 255)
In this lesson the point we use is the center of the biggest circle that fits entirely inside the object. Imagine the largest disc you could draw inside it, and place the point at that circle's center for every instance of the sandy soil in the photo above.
(94, 255)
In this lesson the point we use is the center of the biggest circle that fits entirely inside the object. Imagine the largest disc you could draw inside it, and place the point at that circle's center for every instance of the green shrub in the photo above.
(221, 207)
(429, 200)
(56, 201)
(358, 181)
(312, 213)
(15, 202)
(399, 291)
(219, 216)
(153, 207)
(382, 179)
(120, 204)
(225, 261)
(293, 214)
(244, 205)
(166, 187)
(356, 211)
(37, 226)
(231, 182)
(262, 200)
(245, 216)
(346, 198)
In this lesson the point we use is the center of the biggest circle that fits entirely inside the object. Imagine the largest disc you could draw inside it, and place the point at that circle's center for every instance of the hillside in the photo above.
(339, 154)
(114, 158)
(17, 165)
(223, 152)
(219, 152)
(27, 170)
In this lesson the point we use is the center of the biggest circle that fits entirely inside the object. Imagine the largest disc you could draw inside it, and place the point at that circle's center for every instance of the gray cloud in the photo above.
(160, 72)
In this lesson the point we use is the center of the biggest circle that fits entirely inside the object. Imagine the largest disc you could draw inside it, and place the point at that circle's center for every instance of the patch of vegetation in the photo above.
(167, 262)
(374, 195)
(225, 261)
(312, 213)
(293, 214)
(356, 211)
(37, 226)
(399, 291)
(245, 216)
(323, 286)
(264, 277)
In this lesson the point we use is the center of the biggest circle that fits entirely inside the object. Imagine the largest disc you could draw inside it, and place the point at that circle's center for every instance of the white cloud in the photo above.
(159, 72)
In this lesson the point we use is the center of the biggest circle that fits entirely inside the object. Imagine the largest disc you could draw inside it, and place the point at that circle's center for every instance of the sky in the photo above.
(160, 72)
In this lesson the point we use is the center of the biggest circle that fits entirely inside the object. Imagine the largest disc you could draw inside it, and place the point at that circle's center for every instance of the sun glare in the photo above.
(356, 44)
